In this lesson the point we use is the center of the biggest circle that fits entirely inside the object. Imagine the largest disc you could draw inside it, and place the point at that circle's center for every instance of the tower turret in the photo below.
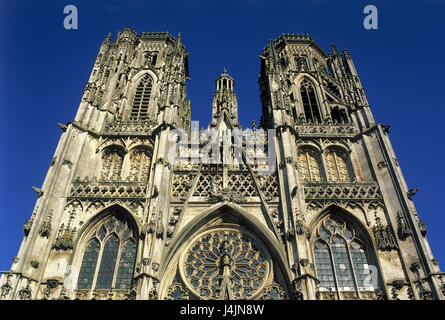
(225, 103)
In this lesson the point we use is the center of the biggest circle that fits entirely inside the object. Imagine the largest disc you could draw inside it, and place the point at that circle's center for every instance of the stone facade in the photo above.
(116, 219)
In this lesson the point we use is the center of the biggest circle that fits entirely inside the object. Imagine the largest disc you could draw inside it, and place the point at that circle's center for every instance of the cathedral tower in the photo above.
(118, 218)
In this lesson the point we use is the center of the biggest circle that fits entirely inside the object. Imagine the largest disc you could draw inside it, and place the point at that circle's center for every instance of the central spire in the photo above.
(225, 104)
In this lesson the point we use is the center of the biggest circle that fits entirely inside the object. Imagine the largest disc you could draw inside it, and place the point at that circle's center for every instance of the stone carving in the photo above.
(132, 293)
(268, 185)
(108, 190)
(397, 285)
(422, 227)
(385, 128)
(177, 292)
(28, 223)
(216, 194)
(67, 163)
(324, 130)
(140, 161)
(380, 294)
(5, 289)
(411, 193)
(160, 227)
(273, 292)
(65, 238)
(402, 228)
(349, 191)
(309, 164)
(384, 236)
(25, 293)
(382, 164)
(153, 294)
(45, 228)
(336, 165)
(172, 222)
(277, 222)
(112, 159)
(38, 190)
(181, 184)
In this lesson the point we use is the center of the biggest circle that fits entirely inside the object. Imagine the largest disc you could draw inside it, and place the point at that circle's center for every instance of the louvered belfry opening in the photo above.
(139, 111)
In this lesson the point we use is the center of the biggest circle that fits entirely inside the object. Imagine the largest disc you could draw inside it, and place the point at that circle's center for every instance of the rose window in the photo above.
(225, 264)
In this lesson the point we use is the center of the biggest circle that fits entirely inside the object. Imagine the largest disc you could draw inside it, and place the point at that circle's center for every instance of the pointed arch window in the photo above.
(337, 165)
(140, 161)
(109, 257)
(139, 110)
(302, 63)
(310, 103)
(112, 159)
(339, 115)
(342, 260)
(309, 164)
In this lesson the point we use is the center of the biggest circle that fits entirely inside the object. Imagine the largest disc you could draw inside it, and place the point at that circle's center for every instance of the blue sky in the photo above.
(44, 69)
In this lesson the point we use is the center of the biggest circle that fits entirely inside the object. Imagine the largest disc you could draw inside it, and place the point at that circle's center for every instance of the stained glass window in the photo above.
(341, 260)
(323, 263)
(108, 263)
(227, 263)
(109, 257)
(126, 265)
(86, 274)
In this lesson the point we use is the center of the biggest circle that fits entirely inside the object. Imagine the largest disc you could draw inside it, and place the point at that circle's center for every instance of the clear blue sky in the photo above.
(44, 69)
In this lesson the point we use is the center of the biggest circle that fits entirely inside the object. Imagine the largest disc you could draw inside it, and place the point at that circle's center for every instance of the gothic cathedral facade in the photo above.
(116, 219)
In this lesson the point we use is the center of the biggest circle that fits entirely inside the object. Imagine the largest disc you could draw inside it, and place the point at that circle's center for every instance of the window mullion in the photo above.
(310, 104)
(116, 266)
(337, 170)
(352, 269)
(334, 271)
(99, 260)
(308, 166)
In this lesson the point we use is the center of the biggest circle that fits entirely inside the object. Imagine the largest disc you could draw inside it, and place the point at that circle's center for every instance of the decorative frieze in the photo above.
(325, 130)
(130, 127)
(342, 191)
(109, 190)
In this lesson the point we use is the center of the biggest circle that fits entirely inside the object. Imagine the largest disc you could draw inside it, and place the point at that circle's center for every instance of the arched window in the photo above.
(338, 115)
(302, 63)
(310, 104)
(139, 110)
(140, 161)
(109, 257)
(336, 161)
(342, 261)
(228, 263)
(154, 59)
(309, 164)
(112, 158)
